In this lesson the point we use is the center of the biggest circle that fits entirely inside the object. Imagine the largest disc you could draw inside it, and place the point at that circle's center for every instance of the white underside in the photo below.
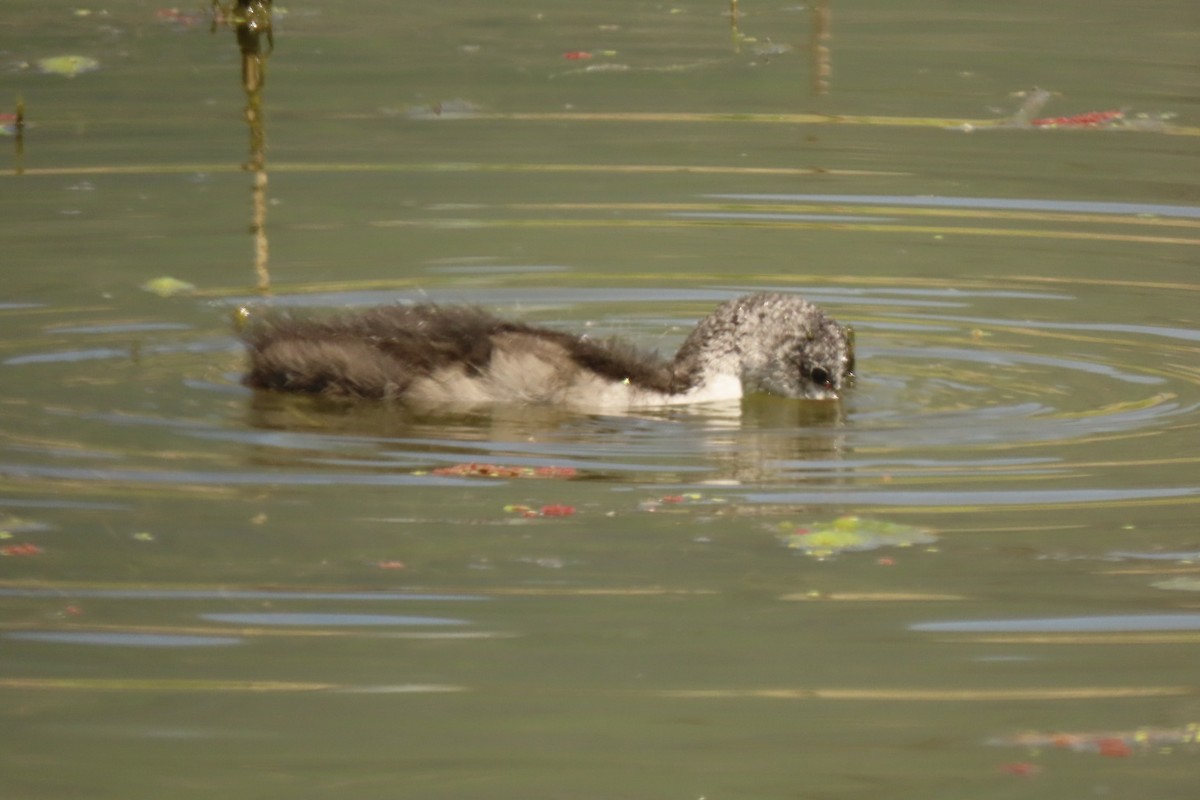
(543, 378)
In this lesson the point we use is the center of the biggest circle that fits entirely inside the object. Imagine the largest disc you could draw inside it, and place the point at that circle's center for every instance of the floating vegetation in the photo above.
(9, 526)
(667, 501)
(20, 549)
(1111, 119)
(476, 470)
(1114, 744)
(1090, 119)
(67, 66)
(1022, 769)
(168, 287)
(852, 535)
(529, 512)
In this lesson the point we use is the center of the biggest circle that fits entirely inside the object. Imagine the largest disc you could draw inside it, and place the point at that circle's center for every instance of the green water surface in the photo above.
(205, 593)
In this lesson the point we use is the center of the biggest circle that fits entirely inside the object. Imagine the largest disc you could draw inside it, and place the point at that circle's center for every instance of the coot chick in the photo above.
(435, 356)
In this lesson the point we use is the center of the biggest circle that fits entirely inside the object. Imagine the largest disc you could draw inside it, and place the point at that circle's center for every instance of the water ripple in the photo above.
(335, 620)
(950, 388)
(1089, 624)
(1020, 204)
(116, 639)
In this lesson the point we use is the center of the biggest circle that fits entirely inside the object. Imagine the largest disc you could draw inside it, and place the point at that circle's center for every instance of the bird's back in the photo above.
(445, 355)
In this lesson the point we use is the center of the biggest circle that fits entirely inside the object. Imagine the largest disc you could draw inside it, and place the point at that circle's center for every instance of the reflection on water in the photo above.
(122, 639)
(336, 620)
(996, 203)
(224, 594)
(1137, 622)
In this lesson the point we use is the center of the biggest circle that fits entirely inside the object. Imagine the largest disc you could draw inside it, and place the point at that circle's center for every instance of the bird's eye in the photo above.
(819, 376)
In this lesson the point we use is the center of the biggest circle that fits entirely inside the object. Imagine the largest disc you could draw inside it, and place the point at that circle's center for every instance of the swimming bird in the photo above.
(460, 357)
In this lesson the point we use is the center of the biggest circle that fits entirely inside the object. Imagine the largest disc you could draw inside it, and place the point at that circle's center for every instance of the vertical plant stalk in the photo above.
(820, 50)
(735, 29)
(253, 20)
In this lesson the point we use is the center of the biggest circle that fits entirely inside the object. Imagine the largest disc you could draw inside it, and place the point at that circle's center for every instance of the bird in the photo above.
(432, 356)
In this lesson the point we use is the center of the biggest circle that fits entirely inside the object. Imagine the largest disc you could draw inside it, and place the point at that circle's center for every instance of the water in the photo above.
(206, 592)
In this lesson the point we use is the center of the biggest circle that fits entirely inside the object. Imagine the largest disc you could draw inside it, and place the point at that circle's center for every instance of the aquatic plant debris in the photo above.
(1112, 744)
(1022, 769)
(20, 549)
(852, 534)
(1111, 119)
(67, 66)
(476, 470)
(529, 512)
(1090, 119)
(168, 287)
(691, 498)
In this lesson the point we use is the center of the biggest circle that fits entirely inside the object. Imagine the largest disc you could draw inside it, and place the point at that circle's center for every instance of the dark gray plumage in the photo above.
(455, 356)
